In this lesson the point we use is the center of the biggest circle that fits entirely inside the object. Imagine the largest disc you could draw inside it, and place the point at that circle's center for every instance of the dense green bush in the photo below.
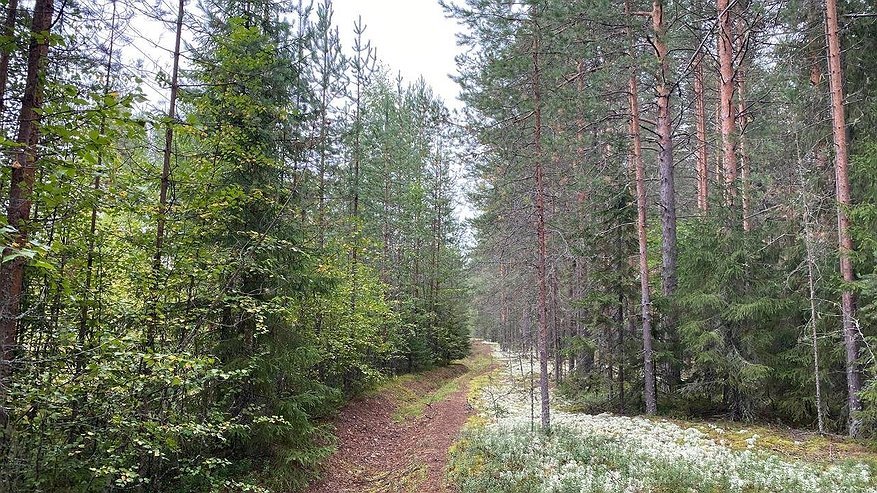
(215, 362)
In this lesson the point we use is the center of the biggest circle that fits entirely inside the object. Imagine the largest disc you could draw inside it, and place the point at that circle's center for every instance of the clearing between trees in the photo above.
(396, 438)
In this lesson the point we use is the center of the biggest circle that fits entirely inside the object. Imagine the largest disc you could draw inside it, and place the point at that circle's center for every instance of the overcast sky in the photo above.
(411, 36)
(415, 38)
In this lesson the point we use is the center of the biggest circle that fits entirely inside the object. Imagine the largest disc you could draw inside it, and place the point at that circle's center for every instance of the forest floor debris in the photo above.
(396, 439)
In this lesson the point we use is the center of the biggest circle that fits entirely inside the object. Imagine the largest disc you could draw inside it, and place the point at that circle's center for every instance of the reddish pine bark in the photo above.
(18, 210)
(845, 241)
(726, 98)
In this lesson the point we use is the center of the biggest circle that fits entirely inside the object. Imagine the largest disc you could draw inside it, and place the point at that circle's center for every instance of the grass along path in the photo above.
(614, 454)
(396, 438)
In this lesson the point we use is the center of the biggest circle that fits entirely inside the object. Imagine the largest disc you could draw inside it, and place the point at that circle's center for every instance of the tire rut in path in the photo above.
(379, 453)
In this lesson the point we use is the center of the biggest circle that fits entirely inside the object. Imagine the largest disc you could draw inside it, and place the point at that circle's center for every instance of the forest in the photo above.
(642, 238)
(702, 179)
(187, 291)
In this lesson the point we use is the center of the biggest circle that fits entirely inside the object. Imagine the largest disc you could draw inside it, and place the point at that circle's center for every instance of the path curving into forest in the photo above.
(396, 439)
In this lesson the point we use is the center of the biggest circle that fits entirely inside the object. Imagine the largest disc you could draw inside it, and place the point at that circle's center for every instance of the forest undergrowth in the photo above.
(503, 450)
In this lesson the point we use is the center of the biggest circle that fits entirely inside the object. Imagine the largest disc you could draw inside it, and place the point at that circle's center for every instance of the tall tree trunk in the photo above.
(572, 332)
(527, 335)
(361, 66)
(636, 158)
(504, 325)
(810, 250)
(581, 357)
(354, 211)
(668, 185)
(719, 175)
(700, 134)
(726, 98)
(92, 229)
(743, 119)
(845, 240)
(437, 234)
(649, 393)
(814, 318)
(165, 180)
(820, 155)
(21, 189)
(556, 327)
(324, 133)
(324, 16)
(542, 241)
(619, 325)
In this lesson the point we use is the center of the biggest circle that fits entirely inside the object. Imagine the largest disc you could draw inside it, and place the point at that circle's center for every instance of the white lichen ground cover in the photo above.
(607, 454)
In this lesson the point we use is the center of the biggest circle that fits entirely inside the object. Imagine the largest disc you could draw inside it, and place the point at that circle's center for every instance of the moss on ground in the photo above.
(787, 442)
(413, 405)
(417, 407)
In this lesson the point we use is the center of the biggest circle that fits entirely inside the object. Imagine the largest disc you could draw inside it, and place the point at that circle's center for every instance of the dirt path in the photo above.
(397, 439)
